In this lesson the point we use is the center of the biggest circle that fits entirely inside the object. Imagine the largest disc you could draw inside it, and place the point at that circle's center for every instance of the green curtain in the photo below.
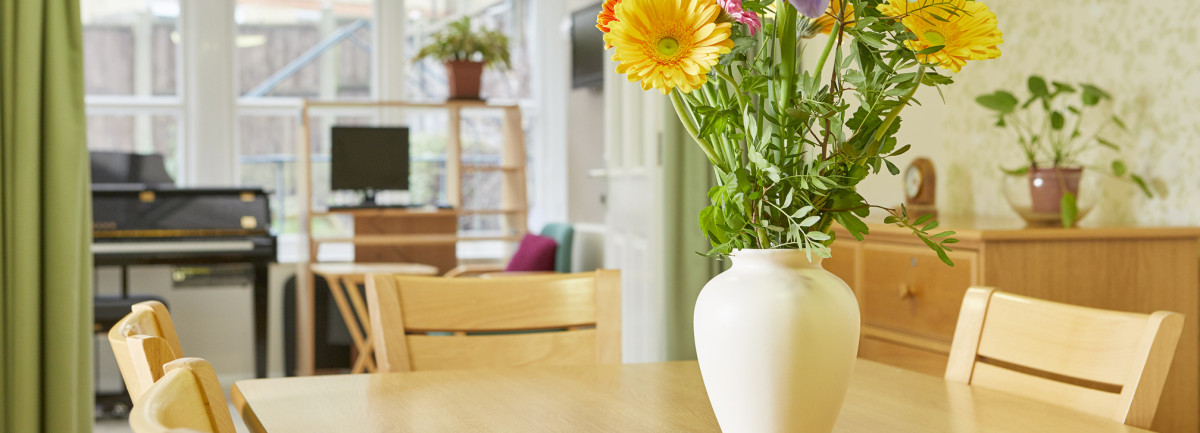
(45, 214)
(687, 177)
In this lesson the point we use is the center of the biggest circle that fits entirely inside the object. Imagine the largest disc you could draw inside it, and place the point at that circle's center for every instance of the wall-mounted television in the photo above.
(587, 49)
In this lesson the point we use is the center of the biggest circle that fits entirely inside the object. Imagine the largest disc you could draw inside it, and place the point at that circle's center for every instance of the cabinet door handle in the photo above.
(907, 291)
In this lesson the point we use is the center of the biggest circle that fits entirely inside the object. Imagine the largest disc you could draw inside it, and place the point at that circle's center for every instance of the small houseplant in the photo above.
(1050, 128)
(465, 53)
(788, 147)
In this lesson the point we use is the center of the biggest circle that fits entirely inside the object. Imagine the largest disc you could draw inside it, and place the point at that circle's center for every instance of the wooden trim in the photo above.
(166, 326)
(1148, 374)
(147, 355)
(248, 416)
(217, 408)
(391, 348)
(608, 316)
(963, 349)
(454, 164)
(394, 212)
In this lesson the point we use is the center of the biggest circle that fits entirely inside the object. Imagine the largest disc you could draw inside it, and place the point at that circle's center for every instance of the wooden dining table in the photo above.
(657, 397)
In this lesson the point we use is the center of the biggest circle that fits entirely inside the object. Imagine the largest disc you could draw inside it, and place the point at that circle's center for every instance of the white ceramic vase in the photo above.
(776, 337)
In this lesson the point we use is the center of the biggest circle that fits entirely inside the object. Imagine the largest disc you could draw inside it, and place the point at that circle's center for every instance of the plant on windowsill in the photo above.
(1051, 132)
(788, 147)
(465, 53)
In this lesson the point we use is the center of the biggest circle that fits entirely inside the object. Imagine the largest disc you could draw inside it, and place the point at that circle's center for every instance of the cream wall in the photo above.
(1143, 52)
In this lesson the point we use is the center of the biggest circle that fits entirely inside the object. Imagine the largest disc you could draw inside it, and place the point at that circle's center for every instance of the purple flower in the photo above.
(810, 8)
(735, 11)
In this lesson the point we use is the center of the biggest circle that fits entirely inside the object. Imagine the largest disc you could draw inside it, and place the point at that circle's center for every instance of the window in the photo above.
(131, 59)
(137, 54)
(287, 51)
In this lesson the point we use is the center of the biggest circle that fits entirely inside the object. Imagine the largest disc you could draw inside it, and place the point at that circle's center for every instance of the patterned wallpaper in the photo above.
(1145, 52)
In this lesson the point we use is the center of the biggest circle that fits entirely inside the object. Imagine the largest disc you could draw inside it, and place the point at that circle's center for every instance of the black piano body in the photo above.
(138, 224)
(155, 223)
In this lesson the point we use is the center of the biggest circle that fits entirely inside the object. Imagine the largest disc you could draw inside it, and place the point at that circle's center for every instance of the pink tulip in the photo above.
(735, 10)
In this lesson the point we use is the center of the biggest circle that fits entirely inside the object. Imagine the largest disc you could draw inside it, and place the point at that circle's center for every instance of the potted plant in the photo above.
(465, 53)
(777, 335)
(1050, 129)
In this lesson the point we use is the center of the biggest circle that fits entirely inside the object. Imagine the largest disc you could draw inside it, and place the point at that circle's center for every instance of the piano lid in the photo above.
(129, 168)
(133, 211)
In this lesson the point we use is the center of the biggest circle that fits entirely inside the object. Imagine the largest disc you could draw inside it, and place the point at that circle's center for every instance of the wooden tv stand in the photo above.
(403, 235)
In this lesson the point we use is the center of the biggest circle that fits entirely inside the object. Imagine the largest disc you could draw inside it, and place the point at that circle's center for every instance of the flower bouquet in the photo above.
(789, 144)
(777, 335)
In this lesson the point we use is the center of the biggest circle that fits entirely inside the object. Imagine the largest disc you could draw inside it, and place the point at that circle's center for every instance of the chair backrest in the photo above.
(564, 236)
(141, 359)
(187, 398)
(1107, 363)
(576, 319)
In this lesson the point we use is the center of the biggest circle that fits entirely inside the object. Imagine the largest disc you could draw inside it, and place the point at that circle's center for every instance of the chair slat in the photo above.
(1087, 400)
(1085, 343)
(576, 319)
(503, 304)
(452, 352)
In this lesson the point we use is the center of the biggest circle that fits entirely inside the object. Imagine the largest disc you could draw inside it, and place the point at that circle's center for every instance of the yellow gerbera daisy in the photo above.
(668, 44)
(825, 22)
(969, 34)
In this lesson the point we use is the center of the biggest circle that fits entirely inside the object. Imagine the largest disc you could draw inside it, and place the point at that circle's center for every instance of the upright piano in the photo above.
(140, 218)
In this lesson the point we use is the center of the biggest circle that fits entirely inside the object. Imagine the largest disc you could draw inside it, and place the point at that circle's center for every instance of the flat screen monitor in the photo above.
(587, 49)
(369, 158)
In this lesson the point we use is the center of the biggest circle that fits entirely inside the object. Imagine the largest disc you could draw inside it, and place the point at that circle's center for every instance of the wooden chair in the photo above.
(187, 398)
(142, 342)
(1106, 363)
(577, 319)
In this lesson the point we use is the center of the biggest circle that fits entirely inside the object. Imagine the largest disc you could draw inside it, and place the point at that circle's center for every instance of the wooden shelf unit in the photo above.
(513, 210)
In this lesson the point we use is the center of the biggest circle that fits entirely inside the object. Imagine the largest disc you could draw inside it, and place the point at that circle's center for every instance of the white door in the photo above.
(633, 220)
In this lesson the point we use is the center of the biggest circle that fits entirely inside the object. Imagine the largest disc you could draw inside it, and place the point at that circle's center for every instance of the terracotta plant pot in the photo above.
(1047, 185)
(464, 78)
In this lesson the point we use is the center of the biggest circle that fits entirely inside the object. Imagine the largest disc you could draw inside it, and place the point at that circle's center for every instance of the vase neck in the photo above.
(783, 258)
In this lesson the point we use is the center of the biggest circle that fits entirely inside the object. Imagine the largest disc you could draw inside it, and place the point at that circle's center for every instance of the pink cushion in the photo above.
(536, 253)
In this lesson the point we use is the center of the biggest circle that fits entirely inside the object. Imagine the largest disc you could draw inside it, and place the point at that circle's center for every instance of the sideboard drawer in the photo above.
(908, 289)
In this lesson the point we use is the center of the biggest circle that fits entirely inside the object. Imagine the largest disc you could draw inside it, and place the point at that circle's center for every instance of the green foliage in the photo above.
(458, 42)
(1050, 125)
(790, 146)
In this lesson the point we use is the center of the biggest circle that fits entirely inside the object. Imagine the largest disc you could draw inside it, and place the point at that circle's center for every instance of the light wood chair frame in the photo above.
(142, 342)
(187, 398)
(351, 304)
(577, 319)
(1108, 363)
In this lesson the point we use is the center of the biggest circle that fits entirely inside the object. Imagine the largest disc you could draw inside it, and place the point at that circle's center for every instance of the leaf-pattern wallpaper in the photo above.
(1146, 53)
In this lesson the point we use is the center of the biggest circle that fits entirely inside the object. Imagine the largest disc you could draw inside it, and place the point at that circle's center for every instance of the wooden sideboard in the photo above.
(910, 300)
